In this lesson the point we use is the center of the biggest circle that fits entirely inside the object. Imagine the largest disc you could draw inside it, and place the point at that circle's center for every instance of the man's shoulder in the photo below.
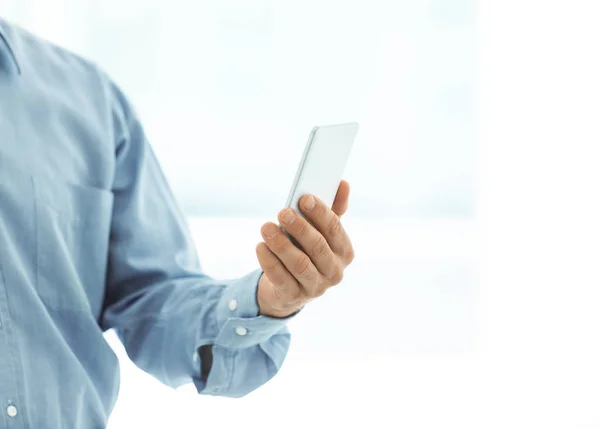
(41, 58)
(49, 65)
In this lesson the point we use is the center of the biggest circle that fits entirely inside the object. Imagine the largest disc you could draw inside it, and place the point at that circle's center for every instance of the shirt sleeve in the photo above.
(161, 304)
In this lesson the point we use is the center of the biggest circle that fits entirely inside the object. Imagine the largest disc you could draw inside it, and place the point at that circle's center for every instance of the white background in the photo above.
(473, 301)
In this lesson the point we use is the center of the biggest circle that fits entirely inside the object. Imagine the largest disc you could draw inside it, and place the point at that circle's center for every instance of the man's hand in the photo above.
(293, 277)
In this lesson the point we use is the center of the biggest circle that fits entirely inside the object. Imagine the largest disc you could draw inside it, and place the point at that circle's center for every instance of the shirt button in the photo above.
(232, 304)
(240, 330)
(11, 410)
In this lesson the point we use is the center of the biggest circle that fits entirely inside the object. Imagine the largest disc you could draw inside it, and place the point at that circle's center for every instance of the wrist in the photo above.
(277, 314)
(264, 301)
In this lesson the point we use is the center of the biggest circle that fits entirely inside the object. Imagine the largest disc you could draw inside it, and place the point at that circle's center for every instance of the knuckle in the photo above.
(303, 230)
(337, 276)
(350, 256)
(312, 293)
(279, 245)
(311, 276)
(271, 266)
(335, 227)
(302, 265)
(320, 247)
(299, 296)
(319, 211)
(320, 291)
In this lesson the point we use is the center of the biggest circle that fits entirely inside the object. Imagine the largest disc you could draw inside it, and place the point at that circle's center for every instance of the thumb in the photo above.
(340, 204)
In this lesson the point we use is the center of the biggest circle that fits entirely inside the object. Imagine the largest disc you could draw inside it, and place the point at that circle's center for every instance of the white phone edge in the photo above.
(307, 147)
(305, 156)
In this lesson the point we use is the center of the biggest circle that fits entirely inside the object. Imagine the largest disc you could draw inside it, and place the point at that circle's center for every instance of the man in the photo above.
(92, 239)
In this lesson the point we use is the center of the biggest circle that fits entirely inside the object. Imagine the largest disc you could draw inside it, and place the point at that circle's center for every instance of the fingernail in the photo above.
(288, 217)
(270, 230)
(309, 204)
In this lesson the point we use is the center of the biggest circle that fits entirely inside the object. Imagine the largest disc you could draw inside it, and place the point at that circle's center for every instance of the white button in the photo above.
(240, 330)
(11, 410)
(232, 304)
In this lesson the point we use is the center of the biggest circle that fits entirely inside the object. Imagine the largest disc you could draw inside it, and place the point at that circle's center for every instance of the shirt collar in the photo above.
(8, 58)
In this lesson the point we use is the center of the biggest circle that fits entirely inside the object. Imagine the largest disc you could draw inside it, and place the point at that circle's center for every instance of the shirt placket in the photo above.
(11, 409)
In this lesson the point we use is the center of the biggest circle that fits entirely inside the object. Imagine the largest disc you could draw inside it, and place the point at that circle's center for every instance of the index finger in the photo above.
(327, 223)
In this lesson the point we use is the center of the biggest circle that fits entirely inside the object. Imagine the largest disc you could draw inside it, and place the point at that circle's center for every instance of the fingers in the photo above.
(329, 225)
(311, 241)
(295, 261)
(286, 287)
(311, 259)
(340, 204)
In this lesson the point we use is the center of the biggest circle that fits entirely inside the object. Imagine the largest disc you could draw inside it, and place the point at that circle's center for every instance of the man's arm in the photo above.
(173, 319)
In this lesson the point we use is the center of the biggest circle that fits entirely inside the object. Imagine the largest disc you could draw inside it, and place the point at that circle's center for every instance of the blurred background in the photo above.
(228, 92)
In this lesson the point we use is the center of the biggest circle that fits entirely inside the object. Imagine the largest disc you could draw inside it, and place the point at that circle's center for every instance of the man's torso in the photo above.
(56, 169)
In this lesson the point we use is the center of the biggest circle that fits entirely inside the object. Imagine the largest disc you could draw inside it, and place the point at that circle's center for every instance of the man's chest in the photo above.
(56, 169)
(54, 134)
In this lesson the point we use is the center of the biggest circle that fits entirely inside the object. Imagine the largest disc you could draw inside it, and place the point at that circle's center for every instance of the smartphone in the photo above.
(323, 163)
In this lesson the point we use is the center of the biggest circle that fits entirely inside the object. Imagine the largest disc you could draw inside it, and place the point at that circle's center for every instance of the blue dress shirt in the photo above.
(92, 239)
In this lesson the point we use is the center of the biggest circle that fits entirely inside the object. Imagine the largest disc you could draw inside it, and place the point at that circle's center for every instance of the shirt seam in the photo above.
(13, 355)
(11, 52)
(232, 355)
